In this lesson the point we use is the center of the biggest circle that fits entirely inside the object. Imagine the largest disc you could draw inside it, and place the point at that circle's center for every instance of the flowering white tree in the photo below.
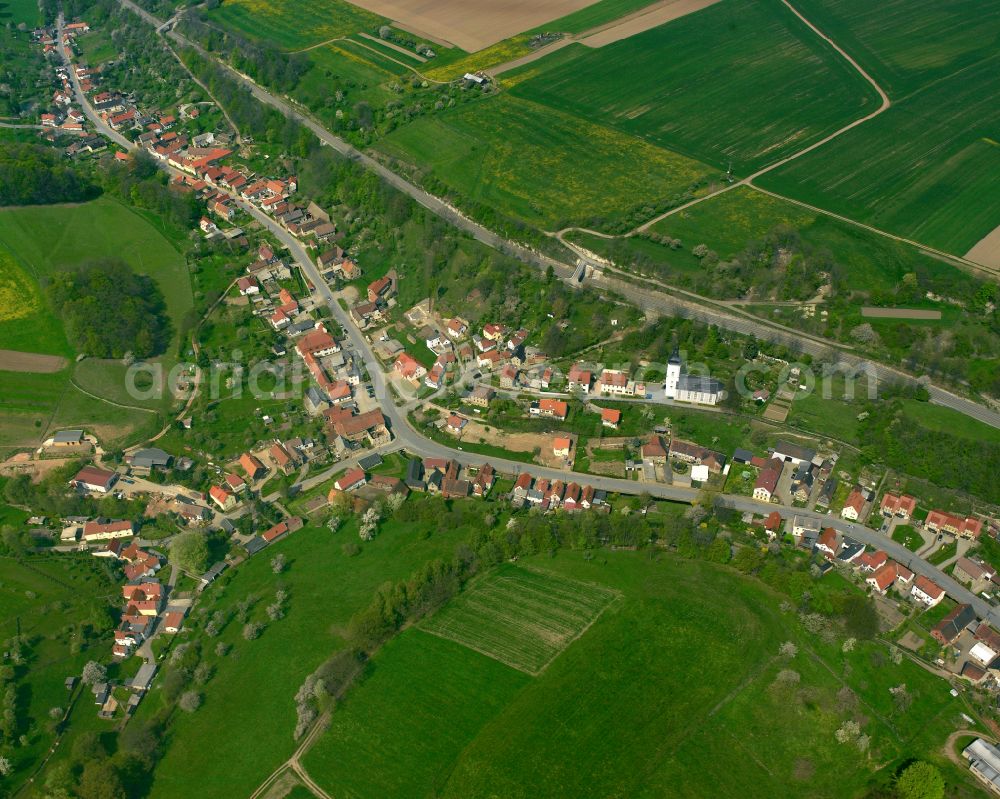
(394, 502)
(190, 701)
(94, 673)
(369, 524)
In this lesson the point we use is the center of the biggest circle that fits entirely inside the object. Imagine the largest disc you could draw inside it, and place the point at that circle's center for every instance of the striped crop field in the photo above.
(522, 618)
(925, 168)
(740, 82)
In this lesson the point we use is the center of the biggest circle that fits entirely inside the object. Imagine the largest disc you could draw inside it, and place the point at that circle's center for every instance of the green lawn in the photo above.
(671, 692)
(707, 84)
(38, 241)
(252, 694)
(293, 26)
(905, 534)
(51, 598)
(943, 553)
(540, 164)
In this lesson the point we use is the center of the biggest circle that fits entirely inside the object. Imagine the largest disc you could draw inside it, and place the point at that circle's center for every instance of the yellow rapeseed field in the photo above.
(19, 296)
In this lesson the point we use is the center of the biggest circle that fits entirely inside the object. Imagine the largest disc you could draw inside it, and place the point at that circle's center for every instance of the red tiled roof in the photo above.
(555, 407)
(612, 415)
(929, 587)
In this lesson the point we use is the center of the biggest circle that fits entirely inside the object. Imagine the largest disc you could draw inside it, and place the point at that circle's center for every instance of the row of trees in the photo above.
(262, 62)
(34, 175)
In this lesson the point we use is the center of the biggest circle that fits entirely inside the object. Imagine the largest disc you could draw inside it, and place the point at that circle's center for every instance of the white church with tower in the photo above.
(684, 387)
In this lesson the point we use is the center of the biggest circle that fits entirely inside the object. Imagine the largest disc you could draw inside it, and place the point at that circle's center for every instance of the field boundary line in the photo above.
(584, 629)
(748, 180)
(955, 260)
(82, 390)
(608, 594)
(483, 652)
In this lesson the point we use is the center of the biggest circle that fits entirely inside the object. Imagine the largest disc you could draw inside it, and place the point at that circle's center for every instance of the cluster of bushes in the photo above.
(942, 458)
(34, 175)
(109, 310)
(265, 64)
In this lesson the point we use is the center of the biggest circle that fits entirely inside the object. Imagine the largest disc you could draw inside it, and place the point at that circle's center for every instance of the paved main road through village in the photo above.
(414, 442)
(660, 302)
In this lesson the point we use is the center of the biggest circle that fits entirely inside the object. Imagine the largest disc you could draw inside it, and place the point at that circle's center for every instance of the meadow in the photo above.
(39, 241)
(18, 11)
(45, 239)
(539, 164)
(920, 170)
(27, 323)
(709, 85)
(252, 694)
(732, 220)
(521, 618)
(388, 740)
(674, 690)
(51, 600)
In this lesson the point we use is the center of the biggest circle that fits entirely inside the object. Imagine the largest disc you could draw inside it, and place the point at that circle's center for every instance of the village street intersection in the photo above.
(642, 297)
(406, 438)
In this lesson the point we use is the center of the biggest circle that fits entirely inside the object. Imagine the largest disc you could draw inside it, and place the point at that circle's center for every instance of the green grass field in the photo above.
(671, 692)
(521, 618)
(941, 419)
(252, 694)
(27, 323)
(51, 598)
(293, 26)
(904, 534)
(729, 222)
(392, 724)
(539, 164)
(709, 85)
(18, 11)
(39, 241)
(46, 239)
(96, 47)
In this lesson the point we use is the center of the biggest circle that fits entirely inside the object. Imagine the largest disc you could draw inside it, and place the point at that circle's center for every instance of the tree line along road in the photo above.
(413, 441)
(643, 297)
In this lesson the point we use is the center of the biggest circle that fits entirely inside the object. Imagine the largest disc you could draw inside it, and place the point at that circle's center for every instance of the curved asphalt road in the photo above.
(644, 298)
(411, 440)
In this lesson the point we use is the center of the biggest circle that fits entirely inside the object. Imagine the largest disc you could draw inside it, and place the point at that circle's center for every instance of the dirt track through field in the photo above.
(616, 30)
(899, 313)
(14, 361)
(642, 20)
(987, 250)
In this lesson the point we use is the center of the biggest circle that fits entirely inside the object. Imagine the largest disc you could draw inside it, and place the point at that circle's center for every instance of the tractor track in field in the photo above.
(748, 181)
